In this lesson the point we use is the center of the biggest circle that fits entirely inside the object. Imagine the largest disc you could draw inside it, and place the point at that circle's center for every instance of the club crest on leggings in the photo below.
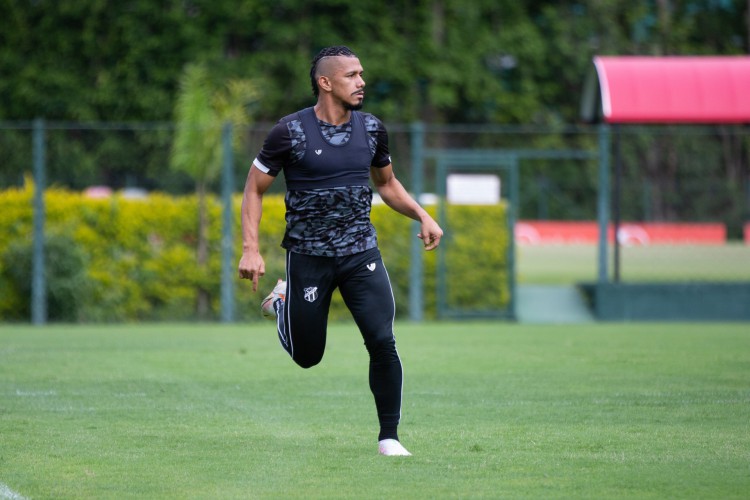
(311, 293)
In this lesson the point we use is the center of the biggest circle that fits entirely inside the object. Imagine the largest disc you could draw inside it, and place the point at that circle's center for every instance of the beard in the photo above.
(354, 107)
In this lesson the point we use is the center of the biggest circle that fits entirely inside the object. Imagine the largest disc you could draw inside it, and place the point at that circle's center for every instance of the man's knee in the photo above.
(307, 361)
(383, 346)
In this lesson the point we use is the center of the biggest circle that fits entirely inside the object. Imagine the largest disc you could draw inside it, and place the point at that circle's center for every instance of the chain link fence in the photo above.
(681, 175)
(676, 174)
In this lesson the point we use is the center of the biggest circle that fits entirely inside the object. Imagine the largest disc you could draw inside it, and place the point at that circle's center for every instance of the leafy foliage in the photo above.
(435, 60)
(477, 258)
(438, 61)
(68, 287)
(122, 259)
(202, 109)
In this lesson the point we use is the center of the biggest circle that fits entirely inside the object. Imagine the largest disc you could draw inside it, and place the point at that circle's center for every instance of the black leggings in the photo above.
(302, 319)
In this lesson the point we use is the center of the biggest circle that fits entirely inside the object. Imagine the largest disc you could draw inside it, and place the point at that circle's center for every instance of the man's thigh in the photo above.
(366, 290)
(310, 285)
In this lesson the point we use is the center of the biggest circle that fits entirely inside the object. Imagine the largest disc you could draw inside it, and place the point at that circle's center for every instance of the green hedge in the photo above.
(476, 267)
(119, 259)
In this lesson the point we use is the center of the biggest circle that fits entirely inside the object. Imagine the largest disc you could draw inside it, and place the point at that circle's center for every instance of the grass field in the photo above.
(491, 410)
(566, 264)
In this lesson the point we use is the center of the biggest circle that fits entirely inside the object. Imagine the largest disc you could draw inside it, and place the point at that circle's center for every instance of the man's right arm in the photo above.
(251, 265)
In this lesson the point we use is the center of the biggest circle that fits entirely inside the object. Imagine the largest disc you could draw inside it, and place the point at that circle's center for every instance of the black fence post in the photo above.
(416, 281)
(603, 201)
(38, 270)
(227, 189)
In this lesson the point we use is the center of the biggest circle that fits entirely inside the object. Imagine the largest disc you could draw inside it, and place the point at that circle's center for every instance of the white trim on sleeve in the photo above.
(260, 166)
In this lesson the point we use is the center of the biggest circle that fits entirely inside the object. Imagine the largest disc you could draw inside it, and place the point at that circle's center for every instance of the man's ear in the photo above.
(324, 83)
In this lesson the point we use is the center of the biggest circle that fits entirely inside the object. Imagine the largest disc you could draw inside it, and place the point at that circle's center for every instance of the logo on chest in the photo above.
(318, 152)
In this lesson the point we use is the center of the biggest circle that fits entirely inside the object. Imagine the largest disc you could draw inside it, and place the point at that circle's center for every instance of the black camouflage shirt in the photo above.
(333, 221)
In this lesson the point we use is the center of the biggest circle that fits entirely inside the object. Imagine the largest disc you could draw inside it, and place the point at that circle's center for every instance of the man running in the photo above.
(329, 153)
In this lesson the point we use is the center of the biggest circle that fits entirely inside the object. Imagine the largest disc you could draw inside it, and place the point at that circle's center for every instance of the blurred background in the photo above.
(131, 99)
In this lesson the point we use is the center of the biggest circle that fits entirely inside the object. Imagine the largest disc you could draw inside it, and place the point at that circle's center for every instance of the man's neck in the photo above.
(335, 115)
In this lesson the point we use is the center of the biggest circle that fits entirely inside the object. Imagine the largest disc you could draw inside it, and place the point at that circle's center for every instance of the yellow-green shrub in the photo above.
(476, 257)
(140, 255)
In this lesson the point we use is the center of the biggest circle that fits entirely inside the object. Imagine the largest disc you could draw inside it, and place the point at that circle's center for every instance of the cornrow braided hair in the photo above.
(338, 50)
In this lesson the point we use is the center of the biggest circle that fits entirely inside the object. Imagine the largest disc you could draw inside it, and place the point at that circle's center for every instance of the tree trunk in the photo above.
(665, 26)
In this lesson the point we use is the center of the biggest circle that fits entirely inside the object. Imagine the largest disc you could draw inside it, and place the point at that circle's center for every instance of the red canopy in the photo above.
(638, 89)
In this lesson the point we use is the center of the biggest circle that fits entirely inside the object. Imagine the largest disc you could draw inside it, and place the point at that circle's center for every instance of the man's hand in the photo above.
(430, 234)
(252, 267)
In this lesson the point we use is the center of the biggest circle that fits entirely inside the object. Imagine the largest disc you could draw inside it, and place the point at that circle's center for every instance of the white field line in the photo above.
(7, 494)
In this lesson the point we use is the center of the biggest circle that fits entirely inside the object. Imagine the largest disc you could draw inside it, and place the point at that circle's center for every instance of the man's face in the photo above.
(345, 79)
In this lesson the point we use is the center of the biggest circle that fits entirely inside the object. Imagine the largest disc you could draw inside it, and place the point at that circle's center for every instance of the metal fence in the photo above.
(652, 173)
(676, 173)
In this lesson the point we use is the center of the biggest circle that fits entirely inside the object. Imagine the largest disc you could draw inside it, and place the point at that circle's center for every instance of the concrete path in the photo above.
(551, 304)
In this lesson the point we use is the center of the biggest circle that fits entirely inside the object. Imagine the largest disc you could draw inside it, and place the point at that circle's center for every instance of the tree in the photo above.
(438, 61)
(202, 110)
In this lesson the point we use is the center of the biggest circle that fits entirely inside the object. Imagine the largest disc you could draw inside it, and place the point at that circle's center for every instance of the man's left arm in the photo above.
(395, 196)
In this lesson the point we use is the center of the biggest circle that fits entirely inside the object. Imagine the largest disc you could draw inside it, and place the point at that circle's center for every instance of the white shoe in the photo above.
(279, 292)
(392, 448)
